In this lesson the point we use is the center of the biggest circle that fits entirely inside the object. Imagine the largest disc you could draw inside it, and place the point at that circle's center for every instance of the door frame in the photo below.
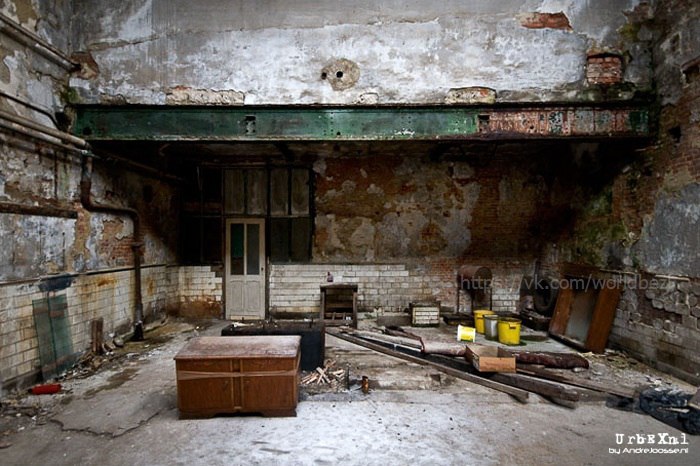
(262, 222)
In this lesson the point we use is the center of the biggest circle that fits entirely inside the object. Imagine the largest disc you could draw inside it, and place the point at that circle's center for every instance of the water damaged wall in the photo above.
(358, 52)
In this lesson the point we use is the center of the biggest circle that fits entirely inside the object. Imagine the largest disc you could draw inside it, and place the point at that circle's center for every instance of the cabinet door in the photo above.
(210, 393)
(268, 389)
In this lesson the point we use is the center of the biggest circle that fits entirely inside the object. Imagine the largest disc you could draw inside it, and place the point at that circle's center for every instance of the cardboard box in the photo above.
(486, 358)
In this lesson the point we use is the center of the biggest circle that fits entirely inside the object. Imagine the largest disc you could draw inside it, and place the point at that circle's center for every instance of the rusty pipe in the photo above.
(36, 43)
(137, 245)
(31, 124)
(39, 210)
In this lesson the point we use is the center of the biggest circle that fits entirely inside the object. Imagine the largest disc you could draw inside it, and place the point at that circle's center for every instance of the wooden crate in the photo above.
(487, 358)
(425, 315)
(246, 374)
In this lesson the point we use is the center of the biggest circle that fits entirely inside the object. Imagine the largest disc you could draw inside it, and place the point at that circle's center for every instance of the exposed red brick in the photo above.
(604, 68)
(537, 20)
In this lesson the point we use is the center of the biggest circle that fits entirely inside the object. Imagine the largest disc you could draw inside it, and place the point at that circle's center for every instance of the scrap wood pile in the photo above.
(519, 373)
(329, 375)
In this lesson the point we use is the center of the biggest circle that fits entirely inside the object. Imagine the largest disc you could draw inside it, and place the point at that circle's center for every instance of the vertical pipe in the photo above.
(136, 246)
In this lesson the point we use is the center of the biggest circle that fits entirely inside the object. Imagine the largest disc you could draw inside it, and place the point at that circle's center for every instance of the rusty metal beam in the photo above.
(198, 123)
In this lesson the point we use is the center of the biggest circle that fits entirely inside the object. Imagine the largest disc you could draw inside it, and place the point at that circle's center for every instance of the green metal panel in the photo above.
(60, 326)
(191, 123)
(53, 331)
(42, 324)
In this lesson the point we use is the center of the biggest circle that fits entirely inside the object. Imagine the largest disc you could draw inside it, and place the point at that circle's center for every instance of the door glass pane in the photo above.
(257, 191)
(235, 199)
(236, 249)
(279, 192)
(300, 191)
(253, 249)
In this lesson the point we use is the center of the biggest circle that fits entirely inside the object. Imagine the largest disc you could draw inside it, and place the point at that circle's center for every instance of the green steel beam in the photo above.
(198, 123)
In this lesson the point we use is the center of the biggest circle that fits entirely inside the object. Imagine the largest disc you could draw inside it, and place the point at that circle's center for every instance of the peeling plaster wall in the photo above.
(94, 249)
(281, 52)
(429, 212)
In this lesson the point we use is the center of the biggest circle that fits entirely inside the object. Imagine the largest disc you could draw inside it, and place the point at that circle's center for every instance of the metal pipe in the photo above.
(34, 107)
(63, 136)
(39, 210)
(39, 45)
(136, 246)
(38, 135)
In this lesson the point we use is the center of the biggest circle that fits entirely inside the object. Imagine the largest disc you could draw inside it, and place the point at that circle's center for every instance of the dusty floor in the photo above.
(125, 414)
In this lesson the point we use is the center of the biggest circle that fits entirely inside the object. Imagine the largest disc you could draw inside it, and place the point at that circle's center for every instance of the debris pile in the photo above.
(329, 376)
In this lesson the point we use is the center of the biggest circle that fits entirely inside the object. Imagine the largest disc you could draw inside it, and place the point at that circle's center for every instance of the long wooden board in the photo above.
(589, 384)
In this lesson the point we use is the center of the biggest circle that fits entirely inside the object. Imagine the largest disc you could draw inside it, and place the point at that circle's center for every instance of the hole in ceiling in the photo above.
(324, 75)
(338, 74)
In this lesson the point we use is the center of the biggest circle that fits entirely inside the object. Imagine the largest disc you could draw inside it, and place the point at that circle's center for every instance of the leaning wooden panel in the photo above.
(603, 316)
(246, 374)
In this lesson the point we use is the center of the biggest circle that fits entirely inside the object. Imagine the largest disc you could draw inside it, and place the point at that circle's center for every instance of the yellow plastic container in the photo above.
(509, 331)
(465, 333)
(479, 319)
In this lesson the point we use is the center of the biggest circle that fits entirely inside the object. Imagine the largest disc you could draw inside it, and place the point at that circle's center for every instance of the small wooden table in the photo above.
(247, 374)
(339, 304)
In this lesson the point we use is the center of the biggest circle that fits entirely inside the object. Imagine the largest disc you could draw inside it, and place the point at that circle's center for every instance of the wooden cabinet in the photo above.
(339, 304)
(252, 374)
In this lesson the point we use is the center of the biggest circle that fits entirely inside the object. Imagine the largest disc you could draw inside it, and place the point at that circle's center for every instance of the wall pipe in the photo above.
(136, 246)
(31, 124)
(17, 128)
(42, 211)
(34, 107)
(36, 43)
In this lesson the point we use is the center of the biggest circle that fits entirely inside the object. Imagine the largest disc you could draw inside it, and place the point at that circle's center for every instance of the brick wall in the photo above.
(108, 295)
(658, 323)
(389, 287)
(199, 291)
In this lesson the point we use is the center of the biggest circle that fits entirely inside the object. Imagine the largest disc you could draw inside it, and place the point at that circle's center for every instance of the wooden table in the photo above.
(247, 374)
(339, 304)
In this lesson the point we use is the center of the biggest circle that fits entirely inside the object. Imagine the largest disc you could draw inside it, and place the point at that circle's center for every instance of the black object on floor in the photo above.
(312, 333)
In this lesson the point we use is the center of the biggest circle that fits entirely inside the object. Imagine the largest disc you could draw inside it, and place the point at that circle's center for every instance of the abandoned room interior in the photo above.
(451, 232)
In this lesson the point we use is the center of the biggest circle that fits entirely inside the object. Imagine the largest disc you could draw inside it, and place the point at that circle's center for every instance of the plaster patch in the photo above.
(471, 95)
(341, 74)
(182, 95)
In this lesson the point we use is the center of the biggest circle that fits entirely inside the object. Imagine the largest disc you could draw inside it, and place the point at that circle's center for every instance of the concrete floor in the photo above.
(127, 415)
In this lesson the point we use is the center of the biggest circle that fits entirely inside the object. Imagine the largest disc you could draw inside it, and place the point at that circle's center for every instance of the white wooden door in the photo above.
(245, 268)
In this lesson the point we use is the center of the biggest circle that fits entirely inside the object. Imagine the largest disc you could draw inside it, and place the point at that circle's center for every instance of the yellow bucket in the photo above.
(465, 333)
(509, 331)
(479, 319)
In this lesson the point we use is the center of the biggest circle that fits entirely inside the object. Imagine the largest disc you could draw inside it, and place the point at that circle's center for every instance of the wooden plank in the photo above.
(562, 311)
(603, 316)
(617, 390)
(551, 359)
(441, 347)
(541, 387)
(96, 335)
(403, 341)
(520, 395)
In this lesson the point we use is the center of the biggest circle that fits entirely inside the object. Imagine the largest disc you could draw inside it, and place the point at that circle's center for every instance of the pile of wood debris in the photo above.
(329, 376)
